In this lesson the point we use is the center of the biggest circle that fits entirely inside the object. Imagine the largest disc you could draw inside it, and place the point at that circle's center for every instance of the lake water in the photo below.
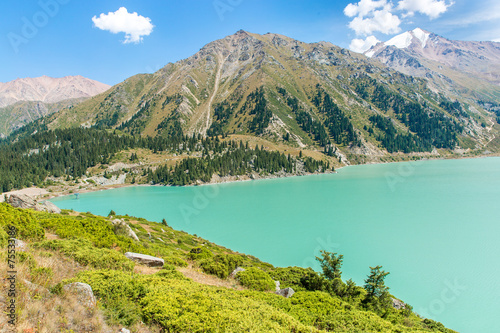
(434, 225)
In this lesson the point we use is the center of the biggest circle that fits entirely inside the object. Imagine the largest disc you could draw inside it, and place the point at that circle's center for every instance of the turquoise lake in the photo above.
(434, 225)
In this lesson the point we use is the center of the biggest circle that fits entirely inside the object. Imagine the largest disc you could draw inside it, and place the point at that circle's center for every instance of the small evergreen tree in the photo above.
(377, 293)
(374, 284)
(331, 264)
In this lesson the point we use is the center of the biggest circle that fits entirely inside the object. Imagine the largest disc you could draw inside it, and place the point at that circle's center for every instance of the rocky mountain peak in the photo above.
(416, 38)
(422, 53)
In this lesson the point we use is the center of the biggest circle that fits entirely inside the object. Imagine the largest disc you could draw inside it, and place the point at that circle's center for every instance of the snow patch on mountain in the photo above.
(405, 39)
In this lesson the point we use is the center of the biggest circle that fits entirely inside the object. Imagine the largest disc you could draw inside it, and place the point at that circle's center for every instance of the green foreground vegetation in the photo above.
(167, 301)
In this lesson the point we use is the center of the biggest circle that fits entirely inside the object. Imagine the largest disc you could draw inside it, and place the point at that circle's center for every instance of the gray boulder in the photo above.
(145, 259)
(398, 304)
(35, 288)
(50, 207)
(20, 245)
(21, 201)
(236, 271)
(25, 201)
(287, 292)
(128, 229)
(83, 292)
(131, 232)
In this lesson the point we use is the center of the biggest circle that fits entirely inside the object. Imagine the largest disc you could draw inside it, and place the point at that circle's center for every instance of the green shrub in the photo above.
(56, 289)
(185, 306)
(215, 268)
(83, 252)
(27, 226)
(4, 237)
(39, 274)
(324, 312)
(175, 261)
(118, 292)
(26, 257)
(256, 279)
(96, 229)
(436, 326)
(290, 276)
(170, 274)
(313, 281)
(198, 253)
(45, 254)
(221, 265)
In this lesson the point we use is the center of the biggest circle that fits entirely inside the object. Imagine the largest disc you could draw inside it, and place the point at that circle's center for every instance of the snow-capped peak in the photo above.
(422, 35)
(405, 39)
(401, 41)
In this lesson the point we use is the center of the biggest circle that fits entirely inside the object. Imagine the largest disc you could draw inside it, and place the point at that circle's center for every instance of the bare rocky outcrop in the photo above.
(83, 292)
(50, 207)
(114, 180)
(25, 201)
(20, 245)
(35, 288)
(398, 304)
(145, 259)
(287, 292)
(236, 271)
(128, 230)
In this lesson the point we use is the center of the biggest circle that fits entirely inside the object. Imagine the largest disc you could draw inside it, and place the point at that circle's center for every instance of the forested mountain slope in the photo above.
(276, 87)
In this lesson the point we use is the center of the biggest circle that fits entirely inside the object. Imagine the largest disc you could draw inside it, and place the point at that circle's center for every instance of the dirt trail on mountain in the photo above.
(220, 63)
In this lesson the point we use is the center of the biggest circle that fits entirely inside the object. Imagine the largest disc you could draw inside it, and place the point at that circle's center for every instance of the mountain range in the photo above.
(27, 99)
(313, 96)
(457, 68)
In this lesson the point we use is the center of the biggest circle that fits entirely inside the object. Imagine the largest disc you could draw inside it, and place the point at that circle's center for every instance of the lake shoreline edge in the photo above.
(43, 195)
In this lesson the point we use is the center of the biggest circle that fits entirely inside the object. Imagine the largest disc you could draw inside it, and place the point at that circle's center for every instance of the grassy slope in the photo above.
(87, 248)
(24, 112)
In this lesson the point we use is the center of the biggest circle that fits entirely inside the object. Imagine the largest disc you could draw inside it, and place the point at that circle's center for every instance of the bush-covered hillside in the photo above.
(193, 292)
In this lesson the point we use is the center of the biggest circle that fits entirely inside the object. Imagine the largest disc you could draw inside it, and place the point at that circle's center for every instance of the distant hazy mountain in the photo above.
(456, 67)
(24, 100)
(49, 90)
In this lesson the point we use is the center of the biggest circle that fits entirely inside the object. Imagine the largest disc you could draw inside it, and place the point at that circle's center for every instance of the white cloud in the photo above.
(371, 16)
(380, 21)
(431, 8)
(497, 40)
(133, 25)
(362, 45)
(363, 8)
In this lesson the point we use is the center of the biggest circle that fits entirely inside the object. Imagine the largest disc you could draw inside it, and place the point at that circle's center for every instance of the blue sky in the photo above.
(59, 37)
